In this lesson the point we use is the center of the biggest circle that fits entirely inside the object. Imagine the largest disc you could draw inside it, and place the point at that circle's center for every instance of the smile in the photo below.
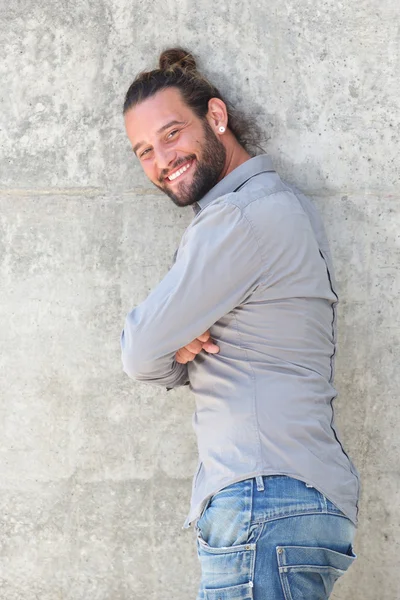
(180, 171)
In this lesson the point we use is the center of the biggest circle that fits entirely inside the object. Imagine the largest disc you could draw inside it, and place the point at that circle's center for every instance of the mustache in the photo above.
(178, 163)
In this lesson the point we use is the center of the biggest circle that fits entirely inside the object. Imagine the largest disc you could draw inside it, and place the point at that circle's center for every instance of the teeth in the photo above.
(177, 173)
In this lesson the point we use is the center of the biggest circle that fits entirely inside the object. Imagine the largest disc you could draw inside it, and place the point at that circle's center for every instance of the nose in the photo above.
(165, 158)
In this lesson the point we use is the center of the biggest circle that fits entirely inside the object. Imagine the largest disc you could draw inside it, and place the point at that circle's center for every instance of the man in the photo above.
(247, 317)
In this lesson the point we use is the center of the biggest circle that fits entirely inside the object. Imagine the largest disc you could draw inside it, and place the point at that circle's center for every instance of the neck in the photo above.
(236, 155)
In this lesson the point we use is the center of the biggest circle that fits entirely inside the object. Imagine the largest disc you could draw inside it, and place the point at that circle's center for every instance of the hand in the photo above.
(189, 352)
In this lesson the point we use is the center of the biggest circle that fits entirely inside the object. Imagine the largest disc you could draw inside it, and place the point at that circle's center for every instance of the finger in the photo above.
(211, 347)
(196, 346)
(183, 356)
(204, 336)
(180, 360)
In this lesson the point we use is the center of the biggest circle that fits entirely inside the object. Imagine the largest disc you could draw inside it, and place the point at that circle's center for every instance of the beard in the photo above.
(207, 171)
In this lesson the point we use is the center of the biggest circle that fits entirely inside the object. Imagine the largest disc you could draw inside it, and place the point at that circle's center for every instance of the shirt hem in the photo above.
(192, 519)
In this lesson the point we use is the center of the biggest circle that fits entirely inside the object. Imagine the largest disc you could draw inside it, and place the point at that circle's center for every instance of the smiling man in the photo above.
(181, 154)
(247, 317)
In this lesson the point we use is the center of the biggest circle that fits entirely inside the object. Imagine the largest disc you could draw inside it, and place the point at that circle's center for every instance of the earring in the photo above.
(222, 129)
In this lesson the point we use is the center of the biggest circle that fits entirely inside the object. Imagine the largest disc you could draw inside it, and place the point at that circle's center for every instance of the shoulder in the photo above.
(217, 222)
(261, 205)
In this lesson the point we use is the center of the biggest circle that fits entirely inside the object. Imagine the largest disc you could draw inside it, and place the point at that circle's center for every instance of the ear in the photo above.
(217, 115)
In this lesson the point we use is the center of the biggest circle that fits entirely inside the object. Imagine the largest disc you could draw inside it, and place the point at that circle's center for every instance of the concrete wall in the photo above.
(95, 470)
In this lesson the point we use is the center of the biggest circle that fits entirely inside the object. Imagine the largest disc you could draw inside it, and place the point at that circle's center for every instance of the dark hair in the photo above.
(177, 68)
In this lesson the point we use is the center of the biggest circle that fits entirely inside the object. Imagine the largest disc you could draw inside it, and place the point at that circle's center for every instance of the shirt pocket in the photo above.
(309, 572)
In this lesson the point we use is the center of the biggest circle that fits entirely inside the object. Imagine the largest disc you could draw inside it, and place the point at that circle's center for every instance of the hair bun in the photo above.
(177, 58)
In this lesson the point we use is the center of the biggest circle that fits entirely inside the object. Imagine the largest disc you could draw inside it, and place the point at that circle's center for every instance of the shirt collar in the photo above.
(235, 179)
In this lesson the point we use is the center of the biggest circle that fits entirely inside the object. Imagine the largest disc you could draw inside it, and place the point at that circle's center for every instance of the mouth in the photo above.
(179, 173)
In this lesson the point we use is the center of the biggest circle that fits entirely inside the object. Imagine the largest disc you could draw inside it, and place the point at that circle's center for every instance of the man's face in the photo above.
(178, 151)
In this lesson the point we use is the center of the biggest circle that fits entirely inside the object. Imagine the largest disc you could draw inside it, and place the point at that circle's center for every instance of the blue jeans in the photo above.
(272, 538)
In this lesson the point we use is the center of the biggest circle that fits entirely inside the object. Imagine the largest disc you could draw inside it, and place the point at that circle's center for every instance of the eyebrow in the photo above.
(163, 128)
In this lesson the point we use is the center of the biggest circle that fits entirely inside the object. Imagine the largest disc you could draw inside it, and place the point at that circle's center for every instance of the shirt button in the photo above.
(280, 550)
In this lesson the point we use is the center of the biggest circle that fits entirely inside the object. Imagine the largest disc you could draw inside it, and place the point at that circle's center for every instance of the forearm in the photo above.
(175, 377)
(143, 365)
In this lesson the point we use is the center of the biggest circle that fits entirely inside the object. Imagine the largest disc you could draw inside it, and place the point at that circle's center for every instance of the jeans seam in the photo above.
(250, 508)
(284, 584)
(299, 514)
(254, 556)
(259, 533)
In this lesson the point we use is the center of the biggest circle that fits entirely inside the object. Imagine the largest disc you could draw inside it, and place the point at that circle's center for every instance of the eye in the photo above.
(144, 152)
(172, 133)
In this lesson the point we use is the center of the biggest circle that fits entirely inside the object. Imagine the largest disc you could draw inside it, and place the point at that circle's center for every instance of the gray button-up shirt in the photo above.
(253, 266)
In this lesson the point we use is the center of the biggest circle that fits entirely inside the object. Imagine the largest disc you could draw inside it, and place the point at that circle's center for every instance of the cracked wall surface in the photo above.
(95, 470)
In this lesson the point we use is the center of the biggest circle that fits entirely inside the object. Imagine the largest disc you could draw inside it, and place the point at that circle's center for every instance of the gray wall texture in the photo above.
(95, 470)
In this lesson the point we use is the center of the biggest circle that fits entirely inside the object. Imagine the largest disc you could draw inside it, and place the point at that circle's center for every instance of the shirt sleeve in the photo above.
(218, 265)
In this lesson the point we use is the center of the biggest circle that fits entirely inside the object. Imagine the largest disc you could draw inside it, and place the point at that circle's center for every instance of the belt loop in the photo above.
(260, 483)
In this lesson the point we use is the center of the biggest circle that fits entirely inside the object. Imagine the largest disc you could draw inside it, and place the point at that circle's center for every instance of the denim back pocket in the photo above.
(226, 567)
(309, 572)
(236, 592)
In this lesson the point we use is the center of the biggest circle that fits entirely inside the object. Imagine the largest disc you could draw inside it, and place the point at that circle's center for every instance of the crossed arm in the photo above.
(217, 267)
